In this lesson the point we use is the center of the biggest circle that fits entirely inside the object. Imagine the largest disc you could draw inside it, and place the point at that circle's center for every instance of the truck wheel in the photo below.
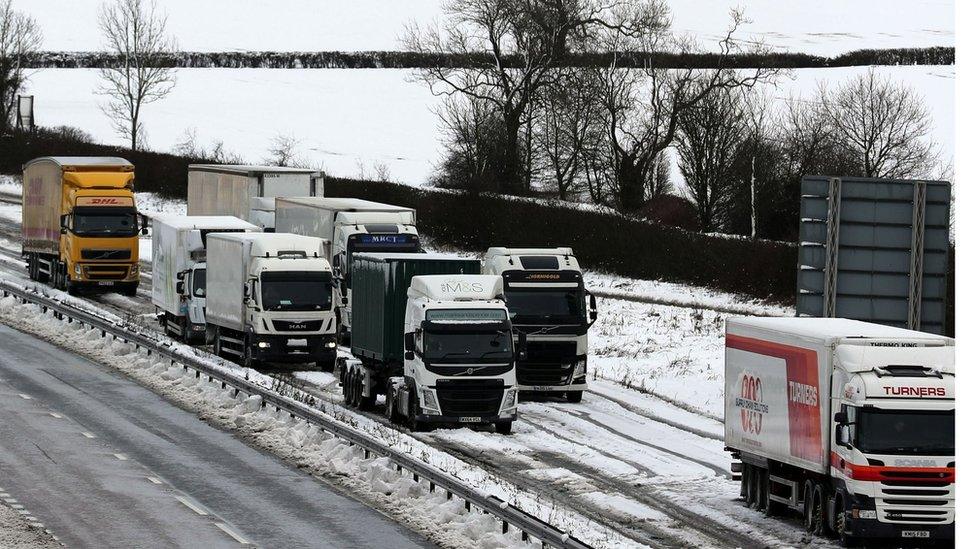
(414, 423)
(327, 365)
(73, 288)
(248, 360)
(391, 404)
(503, 427)
(813, 508)
(218, 347)
(368, 401)
(840, 523)
(749, 492)
(772, 508)
(574, 397)
(130, 289)
(762, 490)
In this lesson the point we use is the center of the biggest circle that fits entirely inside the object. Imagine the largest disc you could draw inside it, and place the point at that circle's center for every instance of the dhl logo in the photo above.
(104, 201)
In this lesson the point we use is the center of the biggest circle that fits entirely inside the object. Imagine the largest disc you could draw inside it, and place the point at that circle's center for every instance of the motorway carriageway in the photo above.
(101, 461)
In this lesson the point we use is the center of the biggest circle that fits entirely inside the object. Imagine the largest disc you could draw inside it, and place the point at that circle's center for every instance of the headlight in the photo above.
(264, 344)
(864, 514)
(134, 270)
(511, 399)
(429, 400)
(330, 344)
(77, 269)
(579, 370)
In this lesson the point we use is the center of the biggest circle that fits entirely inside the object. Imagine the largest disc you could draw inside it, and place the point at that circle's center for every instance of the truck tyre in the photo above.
(347, 387)
(748, 471)
(772, 508)
(130, 289)
(574, 397)
(762, 490)
(248, 360)
(504, 427)
(73, 288)
(840, 523)
(414, 423)
(366, 401)
(391, 405)
(813, 507)
(327, 365)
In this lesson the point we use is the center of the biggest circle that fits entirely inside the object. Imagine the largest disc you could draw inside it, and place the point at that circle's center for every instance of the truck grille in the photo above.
(470, 397)
(297, 325)
(919, 504)
(106, 272)
(544, 365)
(108, 255)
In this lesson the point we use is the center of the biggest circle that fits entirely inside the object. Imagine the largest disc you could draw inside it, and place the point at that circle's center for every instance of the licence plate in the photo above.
(104, 283)
(914, 533)
(470, 419)
(540, 387)
(298, 343)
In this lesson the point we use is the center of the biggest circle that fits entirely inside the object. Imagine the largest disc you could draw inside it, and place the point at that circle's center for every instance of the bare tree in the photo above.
(20, 38)
(886, 125)
(708, 138)
(283, 151)
(512, 47)
(136, 32)
(643, 106)
(473, 132)
(568, 130)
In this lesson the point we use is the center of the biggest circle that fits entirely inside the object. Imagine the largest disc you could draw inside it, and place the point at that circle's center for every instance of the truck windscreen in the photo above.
(463, 347)
(905, 432)
(296, 291)
(104, 222)
(545, 305)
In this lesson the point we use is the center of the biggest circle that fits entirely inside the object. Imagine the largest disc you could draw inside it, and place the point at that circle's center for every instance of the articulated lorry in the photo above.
(548, 303)
(850, 423)
(352, 225)
(434, 336)
(179, 289)
(79, 227)
(246, 192)
(269, 298)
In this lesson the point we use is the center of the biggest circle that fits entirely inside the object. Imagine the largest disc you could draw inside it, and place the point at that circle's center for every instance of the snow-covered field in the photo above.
(349, 121)
(827, 27)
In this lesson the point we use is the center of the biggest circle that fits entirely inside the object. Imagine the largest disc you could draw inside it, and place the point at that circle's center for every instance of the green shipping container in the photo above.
(380, 299)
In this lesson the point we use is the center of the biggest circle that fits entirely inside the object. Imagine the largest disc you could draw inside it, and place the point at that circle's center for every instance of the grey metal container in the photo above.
(874, 250)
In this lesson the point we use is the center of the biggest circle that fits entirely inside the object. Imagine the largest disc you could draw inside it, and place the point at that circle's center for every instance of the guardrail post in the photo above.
(504, 526)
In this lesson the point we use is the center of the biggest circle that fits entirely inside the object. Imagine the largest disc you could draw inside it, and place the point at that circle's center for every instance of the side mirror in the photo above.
(408, 355)
(593, 314)
(523, 351)
(181, 287)
(144, 223)
(839, 436)
(181, 275)
(409, 342)
(841, 418)
(64, 224)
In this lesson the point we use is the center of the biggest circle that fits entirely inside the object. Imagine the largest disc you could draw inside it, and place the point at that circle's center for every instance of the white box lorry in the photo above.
(434, 336)
(352, 225)
(247, 192)
(269, 298)
(548, 301)
(179, 286)
(850, 423)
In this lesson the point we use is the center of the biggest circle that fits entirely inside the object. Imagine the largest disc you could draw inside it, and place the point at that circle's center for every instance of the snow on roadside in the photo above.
(373, 480)
(17, 533)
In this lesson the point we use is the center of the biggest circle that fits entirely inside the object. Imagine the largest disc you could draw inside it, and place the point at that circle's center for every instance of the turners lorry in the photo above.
(179, 285)
(246, 192)
(849, 423)
(434, 336)
(79, 227)
(352, 225)
(547, 301)
(269, 298)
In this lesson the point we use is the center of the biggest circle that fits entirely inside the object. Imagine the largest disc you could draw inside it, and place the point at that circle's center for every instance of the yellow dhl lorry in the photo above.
(80, 228)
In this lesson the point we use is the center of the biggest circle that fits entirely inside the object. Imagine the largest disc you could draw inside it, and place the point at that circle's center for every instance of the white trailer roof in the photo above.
(245, 169)
(206, 222)
(344, 204)
(864, 358)
(832, 328)
(271, 243)
(84, 161)
(528, 251)
(456, 287)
